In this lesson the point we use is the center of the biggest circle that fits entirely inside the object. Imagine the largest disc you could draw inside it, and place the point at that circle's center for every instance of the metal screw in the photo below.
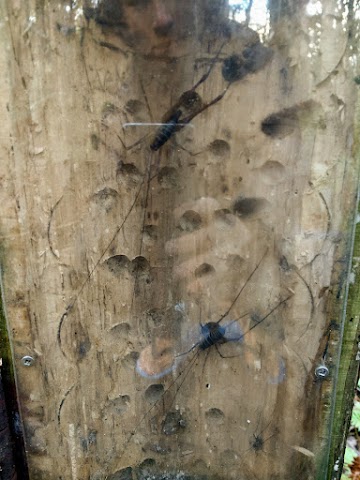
(321, 371)
(27, 361)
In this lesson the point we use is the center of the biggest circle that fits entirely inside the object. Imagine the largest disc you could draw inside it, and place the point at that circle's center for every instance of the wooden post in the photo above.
(117, 244)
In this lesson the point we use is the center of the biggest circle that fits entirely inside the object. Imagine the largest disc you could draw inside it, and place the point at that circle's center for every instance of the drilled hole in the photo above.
(203, 270)
(190, 221)
(245, 207)
(118, 264)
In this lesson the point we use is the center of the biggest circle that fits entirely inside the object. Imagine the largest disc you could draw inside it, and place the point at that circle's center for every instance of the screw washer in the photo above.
(321, 371)
(27, 361)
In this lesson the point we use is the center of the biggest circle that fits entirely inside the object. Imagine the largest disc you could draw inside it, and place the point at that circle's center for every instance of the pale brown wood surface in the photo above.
(264, 177)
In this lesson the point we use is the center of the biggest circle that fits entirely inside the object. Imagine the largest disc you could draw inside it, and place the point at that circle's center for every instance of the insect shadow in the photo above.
(259, 439)
(188, 106)
(259, 442)
(214, 334)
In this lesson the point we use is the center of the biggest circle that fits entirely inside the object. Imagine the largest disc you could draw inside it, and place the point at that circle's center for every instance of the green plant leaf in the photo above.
(355, 417)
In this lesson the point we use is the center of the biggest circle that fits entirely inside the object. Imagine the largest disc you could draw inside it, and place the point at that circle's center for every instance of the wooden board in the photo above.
(115, 254)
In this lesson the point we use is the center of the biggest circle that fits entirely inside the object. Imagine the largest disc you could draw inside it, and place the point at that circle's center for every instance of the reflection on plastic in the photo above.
(156, 360)
(281, 375)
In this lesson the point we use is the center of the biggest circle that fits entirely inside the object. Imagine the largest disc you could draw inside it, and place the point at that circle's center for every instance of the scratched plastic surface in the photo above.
(209, 277)
(192, 237)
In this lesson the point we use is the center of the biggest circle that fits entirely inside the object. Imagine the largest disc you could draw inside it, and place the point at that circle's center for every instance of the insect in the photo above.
(164, 134)
(258, 440)
(212, 334)
(256, 452)
(185, 109)
(155, 365)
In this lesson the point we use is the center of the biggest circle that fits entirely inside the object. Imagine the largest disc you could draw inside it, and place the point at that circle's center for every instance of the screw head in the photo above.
(27, 361)
(321, 371)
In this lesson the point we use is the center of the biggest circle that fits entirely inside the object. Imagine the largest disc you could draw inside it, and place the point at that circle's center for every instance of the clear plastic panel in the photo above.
(199, 214)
